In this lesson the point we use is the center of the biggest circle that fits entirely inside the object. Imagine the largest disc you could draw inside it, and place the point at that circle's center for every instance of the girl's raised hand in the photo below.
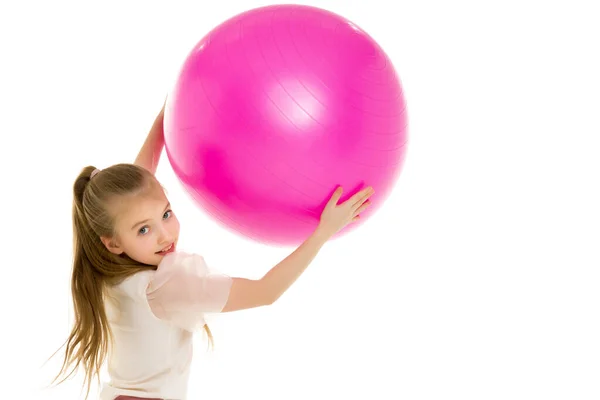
(336, 216)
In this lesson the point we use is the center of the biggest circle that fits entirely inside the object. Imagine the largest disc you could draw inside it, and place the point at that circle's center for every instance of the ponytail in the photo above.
(87, 345)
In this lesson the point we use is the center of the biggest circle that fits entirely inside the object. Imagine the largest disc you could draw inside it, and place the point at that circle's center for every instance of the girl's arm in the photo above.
(248, 293)
(151, 150)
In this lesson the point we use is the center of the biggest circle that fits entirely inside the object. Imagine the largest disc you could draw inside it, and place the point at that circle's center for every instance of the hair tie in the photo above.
(94, 172)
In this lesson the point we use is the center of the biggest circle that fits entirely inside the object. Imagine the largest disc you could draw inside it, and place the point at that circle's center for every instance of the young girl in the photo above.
(137, 301)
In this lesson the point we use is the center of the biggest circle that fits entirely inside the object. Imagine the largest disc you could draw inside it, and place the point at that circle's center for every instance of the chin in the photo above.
(153, 260)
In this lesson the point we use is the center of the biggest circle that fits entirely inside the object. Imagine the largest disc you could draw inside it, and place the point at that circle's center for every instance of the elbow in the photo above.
(270, 300)
(268, 294)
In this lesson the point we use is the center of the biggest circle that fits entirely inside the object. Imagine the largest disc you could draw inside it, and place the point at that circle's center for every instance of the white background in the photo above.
(478, 279)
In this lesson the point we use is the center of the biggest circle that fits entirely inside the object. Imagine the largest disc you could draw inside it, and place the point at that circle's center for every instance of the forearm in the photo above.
(149, 154)
(283, 275)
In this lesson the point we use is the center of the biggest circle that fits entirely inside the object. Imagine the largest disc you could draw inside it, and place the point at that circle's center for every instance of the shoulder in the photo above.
(177, 266)
(181, 260)
(135, 285)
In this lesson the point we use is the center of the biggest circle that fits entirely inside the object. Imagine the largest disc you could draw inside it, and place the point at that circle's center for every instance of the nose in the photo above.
(165, 237)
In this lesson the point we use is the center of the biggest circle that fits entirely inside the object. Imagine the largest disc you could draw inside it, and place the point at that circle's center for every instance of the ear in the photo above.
(112, 245)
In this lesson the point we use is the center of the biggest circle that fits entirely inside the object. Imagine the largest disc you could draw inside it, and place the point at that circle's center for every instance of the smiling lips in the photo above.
(167, 249)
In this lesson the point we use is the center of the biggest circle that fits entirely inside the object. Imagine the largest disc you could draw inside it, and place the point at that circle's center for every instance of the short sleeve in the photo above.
(183, 290)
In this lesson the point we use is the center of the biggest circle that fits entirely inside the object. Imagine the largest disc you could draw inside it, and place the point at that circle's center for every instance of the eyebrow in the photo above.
(146, 220)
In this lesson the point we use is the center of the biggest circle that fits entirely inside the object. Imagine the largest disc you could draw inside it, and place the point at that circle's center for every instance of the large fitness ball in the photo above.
(276, 107)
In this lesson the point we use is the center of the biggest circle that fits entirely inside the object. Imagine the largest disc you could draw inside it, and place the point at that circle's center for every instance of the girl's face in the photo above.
(146, 228)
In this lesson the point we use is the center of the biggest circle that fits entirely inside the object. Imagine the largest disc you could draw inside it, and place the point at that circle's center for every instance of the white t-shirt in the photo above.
(153, 315)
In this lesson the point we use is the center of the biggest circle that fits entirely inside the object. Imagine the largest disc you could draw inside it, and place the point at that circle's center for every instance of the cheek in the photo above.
(175, 226)
(132, 243)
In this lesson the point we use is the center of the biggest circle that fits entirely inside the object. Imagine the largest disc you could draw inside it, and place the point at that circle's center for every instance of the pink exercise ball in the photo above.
(276, 107)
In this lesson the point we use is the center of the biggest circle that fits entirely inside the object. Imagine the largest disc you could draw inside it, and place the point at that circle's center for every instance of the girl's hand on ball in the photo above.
(336, 216)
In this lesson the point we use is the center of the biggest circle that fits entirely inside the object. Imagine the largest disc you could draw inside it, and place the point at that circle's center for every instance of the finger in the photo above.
(362, 207)
(335, 197)
(361, 196)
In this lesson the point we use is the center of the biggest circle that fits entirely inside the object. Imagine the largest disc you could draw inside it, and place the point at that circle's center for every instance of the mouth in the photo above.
(170, 248)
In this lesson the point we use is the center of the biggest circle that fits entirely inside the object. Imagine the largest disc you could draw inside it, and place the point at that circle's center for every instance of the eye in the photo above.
(143, 230)
(167, 214)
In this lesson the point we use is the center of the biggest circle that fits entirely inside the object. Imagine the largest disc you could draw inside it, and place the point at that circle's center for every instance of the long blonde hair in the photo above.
(95, 268)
